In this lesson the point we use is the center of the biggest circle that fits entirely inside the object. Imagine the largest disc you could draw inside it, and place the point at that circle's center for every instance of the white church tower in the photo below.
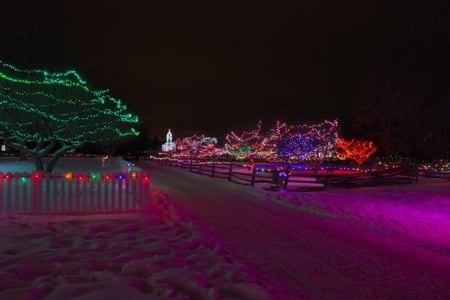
(169, 145)
(169, 137)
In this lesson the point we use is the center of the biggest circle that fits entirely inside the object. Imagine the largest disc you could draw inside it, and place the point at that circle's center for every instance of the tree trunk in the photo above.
(38, 162)
(22, 155)
(51, 164)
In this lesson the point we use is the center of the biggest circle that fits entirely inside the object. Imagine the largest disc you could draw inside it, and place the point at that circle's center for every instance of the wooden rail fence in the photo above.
(242, 174)
(291, 179)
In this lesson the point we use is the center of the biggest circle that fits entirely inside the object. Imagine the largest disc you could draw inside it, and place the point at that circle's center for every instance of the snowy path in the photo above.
(304, 256)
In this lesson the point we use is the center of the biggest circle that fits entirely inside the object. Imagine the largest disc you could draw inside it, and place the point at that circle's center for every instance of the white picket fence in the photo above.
(73, 193)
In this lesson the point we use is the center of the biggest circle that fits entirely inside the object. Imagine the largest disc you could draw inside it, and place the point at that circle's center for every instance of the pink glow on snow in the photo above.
(206, 238)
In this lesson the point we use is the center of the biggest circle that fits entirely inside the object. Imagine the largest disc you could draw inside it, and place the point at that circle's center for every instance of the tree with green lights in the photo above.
(43, 113)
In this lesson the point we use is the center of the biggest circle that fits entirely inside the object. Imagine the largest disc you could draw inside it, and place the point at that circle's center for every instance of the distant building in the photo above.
(169, 145)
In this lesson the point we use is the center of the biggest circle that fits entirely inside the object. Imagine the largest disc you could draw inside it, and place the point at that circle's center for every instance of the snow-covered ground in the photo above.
(157, 253)
(387, 242)
(206, 238)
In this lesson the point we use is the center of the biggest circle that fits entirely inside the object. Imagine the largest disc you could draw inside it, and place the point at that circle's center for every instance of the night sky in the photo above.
(214, 66)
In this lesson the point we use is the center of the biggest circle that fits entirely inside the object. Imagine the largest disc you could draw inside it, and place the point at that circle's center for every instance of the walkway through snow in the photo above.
(318, 245)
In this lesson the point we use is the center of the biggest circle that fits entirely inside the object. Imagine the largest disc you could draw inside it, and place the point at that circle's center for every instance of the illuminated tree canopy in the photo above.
(302, 142)
(51, 113)
(354, 149)
(249, 144)
(197, 146)
(313, 143)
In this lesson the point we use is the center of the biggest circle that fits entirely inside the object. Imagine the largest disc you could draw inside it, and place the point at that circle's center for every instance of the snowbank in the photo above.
(154, 254)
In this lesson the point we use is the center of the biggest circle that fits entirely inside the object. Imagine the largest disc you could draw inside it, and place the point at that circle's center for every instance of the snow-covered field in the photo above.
(417, 213)
(169, 251)
(154, 254)
(157, 253)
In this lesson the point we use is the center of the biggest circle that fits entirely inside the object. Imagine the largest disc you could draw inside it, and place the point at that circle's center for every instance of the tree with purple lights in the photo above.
(45, 113)
(309, 143)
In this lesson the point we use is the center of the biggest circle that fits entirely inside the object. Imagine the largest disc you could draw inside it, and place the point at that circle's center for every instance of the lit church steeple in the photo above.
(169, 137)
(169, 145)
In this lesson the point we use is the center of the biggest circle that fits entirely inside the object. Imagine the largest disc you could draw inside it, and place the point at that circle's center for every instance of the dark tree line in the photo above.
(404, 118)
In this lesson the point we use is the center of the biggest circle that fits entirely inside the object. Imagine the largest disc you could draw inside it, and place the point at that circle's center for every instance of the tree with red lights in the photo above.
(354, 149)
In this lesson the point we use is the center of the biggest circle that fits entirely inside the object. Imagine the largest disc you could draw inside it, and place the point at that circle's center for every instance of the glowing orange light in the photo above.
(68, 176)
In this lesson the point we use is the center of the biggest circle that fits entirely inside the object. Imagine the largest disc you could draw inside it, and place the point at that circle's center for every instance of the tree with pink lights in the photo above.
(250, 144)
(207, 148)
(196, 146)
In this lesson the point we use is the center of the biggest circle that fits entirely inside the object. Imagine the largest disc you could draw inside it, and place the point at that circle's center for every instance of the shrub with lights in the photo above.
(46, 113)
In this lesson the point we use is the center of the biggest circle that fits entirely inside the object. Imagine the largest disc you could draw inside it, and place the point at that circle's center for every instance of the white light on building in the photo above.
(169, 145)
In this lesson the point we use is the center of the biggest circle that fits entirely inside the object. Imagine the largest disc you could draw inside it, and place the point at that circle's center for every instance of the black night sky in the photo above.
(211, 67)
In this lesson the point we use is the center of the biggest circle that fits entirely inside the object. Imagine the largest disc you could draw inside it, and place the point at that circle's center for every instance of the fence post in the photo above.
(113, 193)
(252, 183)
(77, 193)
(36, 190)
(213, 169)
(24, 197)
(70, 193)
(47, 191)
(285, 183)
(119, 193)
(106, 192)
(230, 171)
(64, 206)
(55, 204)
(1, 189)
(8, 191)
(16, 196)
(127, 191)
(99, 194)
(84, 192)
(91, 194)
